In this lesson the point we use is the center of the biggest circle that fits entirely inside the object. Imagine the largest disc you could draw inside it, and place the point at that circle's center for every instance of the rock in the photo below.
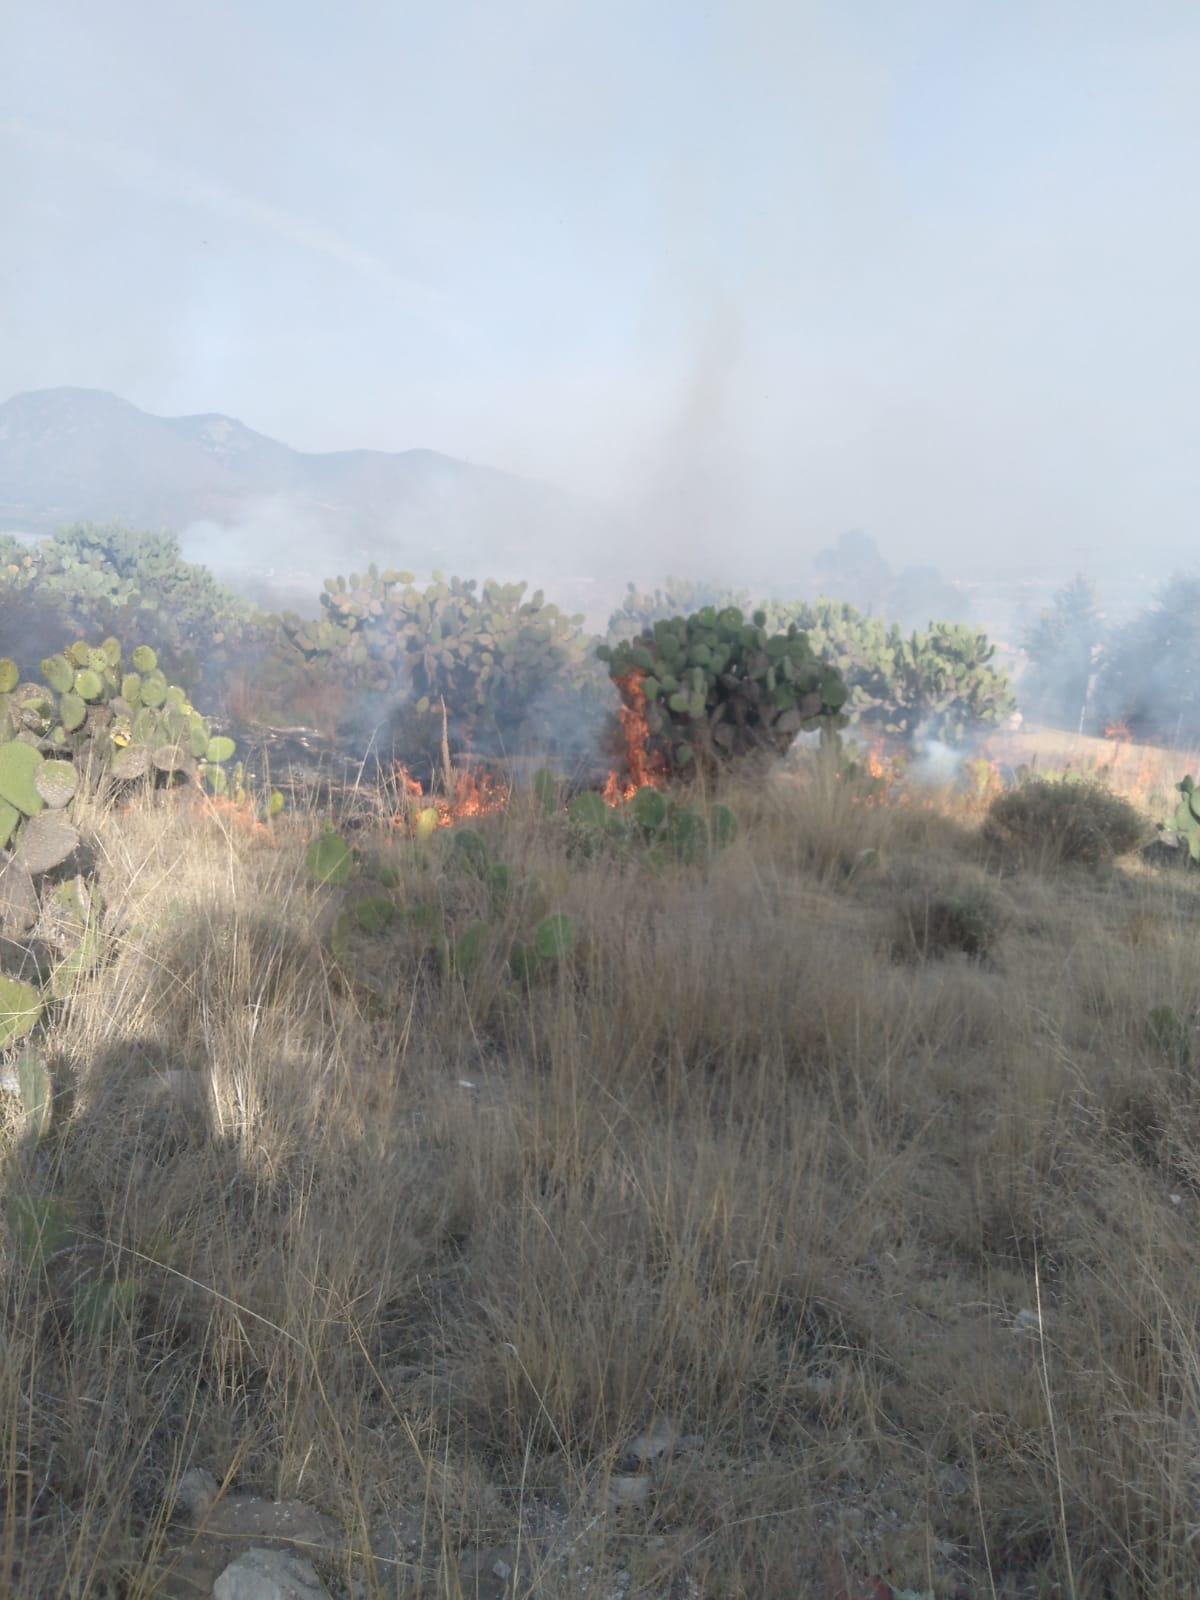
(224, 1528)
(655, 1447)
(627, 1489)
(196, 1492)
(488, 1574)
(268, 1522)
(396, 1551)
(18, 898)
(651, 1448)
(260, 1574)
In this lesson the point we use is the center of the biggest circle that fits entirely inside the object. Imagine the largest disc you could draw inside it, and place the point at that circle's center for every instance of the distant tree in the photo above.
(1064, 646)
(1150, 681)
(919, 596)
(855, 570)
(678, 597)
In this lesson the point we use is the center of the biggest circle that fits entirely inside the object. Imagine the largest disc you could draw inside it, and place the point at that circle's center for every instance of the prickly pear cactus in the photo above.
(714, 687)
(91, 715)
(1185, 824)
(941, 682)
(90, 580)
(87, 724)
(496, 660)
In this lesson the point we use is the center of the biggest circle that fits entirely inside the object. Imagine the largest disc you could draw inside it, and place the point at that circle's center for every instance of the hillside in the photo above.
(239, 498)
(825, 1208)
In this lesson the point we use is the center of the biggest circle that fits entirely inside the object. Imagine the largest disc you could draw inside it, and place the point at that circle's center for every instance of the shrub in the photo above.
(934, 925)
(1069, 820)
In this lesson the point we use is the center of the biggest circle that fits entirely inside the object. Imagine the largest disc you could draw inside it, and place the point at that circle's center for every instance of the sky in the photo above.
(756, 272)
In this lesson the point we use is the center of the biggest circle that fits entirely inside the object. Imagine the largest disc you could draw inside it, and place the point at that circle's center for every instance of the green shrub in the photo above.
(938, 924)
(1068, 820)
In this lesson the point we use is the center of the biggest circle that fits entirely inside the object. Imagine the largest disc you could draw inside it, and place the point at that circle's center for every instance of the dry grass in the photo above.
(1145, 774)
(429, 1254)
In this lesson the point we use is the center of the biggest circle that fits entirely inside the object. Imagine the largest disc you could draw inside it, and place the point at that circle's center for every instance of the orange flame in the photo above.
(642, 769)
(472, 796)
(240, 815)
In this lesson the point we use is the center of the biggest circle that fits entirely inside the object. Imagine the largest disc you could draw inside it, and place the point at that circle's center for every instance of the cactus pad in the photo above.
(554, 936)
(329, 860)
(58, 673)
(56, 782)
(220, 749)
(19, 764)
(20, 1009)
(46, 841)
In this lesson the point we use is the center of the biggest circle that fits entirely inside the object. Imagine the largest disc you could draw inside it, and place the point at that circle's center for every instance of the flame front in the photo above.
(472, 796)
(643, 770)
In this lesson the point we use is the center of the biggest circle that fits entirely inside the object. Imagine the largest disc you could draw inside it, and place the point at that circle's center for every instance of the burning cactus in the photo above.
(710, 688)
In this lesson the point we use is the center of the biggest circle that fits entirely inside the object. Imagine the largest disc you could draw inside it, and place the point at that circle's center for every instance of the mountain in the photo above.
(247, 503)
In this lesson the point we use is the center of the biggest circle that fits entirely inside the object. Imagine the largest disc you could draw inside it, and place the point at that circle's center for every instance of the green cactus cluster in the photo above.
(940, 682)
(65, 919)
(91, 580)
(91, 719)
(496, 659)
(662, 826)
(716, 687)
(94, 713)
(476, 907)
(1185, 821)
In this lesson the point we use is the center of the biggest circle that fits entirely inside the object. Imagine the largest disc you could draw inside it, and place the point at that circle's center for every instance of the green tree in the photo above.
(1064, 647)
(1149, 680)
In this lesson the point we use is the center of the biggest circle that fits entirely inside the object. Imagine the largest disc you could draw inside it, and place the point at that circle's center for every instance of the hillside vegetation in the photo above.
(738, 1167)
(826, 1209)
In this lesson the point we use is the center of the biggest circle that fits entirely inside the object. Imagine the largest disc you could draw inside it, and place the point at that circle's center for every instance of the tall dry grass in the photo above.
(427, 1254)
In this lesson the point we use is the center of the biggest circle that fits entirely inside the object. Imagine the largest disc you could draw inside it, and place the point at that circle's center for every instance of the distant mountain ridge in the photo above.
(241, 499)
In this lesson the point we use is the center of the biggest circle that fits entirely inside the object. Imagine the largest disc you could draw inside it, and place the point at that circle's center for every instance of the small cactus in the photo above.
(36, 1089)
(20, 1010)
(19, 764)
(329, 860)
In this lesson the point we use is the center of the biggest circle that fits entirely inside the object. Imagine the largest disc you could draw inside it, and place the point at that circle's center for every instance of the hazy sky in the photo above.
(763, 271)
